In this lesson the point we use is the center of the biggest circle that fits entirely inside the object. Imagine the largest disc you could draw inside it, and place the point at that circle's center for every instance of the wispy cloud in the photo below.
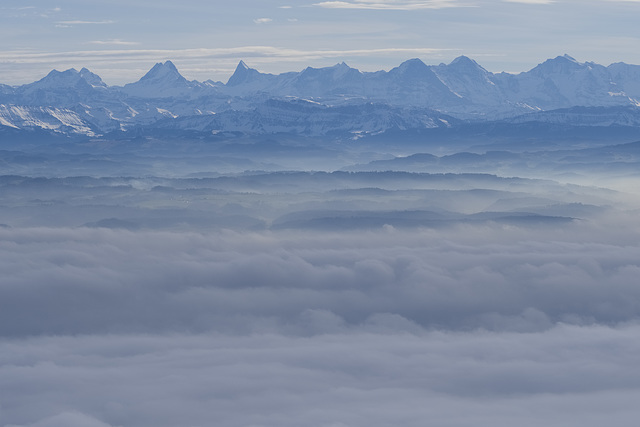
(85, 22)
(262, 20)
(116, 42)
(531, 1)
(29, 11)
(391, 4)
(264, 52)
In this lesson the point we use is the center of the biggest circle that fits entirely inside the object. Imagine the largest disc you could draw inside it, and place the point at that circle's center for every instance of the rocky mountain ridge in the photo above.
(321, 101)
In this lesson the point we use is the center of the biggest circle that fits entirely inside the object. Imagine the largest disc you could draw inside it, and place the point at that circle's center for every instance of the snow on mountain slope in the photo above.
(475, 86)
(329, 99)
(311, 119)
(412, 83)
(92, 78)
(564, 82)
(461, 88)
(585, 116)
(6, 90)
(626, 79)
(164, 81)
(62, 89)
(338, 80)
(250, 77)
(55, 119)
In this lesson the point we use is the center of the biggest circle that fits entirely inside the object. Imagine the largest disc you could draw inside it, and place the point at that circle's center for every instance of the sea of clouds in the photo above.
(475, 324)
(316, 299)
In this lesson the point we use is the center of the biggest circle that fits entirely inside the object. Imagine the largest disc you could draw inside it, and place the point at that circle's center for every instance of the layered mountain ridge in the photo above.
(330, 100)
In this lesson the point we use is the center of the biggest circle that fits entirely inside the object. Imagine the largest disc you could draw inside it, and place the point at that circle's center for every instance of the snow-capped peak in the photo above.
(414, 64)
(163, 72)
(461, 88)
(57, 80)
(560, 64)
(466, 63)
(58, 77)
(242, 74)
(92, 78)
(162, 81)
(569, 58)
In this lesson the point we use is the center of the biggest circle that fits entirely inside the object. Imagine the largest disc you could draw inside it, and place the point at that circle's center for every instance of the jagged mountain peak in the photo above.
(92, 78)
(413, 63)
(412, 68)
(163, 80)
(163, 71)
(568, 58)
(466, 63)
(72, 76)
(344, 68)
(463, 59)
(242, 66)
(54, 74)
(62, 79)
(69, 72)
(242, 74)
(461, 88)
(321, 81)
(560, 64)
(339, 68)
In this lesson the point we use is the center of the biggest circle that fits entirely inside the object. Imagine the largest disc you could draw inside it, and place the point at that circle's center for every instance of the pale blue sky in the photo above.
(120, 40)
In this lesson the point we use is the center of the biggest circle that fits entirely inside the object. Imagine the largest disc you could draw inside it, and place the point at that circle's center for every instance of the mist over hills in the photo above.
(331, 101)
(322, 248)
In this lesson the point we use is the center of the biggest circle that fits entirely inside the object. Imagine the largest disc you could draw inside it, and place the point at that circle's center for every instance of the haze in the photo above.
(430, 246)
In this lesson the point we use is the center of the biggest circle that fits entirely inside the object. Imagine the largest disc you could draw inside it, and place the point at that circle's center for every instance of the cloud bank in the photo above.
(567, 375)
(78, 281)
(390, 4)
(482, 322)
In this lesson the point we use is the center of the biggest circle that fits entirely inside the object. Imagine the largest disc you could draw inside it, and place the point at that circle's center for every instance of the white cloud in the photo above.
(77, 22)
(263, 52)
(531, 1)
(476, 323)
(391, 4)
(116, 42)
(67, 419)
(568, 375)
(476, 276)
(262, 20)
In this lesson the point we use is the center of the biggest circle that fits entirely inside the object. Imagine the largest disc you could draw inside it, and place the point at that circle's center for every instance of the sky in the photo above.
(121, 40)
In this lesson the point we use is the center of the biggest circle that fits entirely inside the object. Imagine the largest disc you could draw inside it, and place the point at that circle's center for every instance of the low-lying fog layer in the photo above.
(317, 299)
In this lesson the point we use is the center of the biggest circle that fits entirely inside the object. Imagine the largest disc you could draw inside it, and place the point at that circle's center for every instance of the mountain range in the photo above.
(338, 100)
